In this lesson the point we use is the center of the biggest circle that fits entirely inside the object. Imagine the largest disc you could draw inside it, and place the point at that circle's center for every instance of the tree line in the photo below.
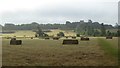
(83, 28)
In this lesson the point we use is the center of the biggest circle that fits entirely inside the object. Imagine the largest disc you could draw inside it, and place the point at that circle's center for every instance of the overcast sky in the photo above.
(58, 11)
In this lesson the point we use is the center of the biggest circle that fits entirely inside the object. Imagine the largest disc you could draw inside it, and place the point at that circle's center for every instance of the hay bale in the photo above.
(47, 38)
(31, 37)
(70, 41)
(66, 37)
(18, 42)
(13, 41)
(73, 37)
(55, 38)
(85, 39)
(109, 37)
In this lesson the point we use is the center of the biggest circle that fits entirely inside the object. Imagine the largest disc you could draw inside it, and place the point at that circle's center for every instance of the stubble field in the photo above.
(40, 52)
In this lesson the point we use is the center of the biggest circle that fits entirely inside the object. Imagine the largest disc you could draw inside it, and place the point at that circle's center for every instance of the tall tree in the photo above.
(96, 33)
(108, 33)
(103, 30)
(40, 32)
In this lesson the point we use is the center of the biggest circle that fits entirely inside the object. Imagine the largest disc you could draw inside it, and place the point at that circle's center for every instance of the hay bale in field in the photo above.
(55, 38)
(70, 41)
(18, 42)
(31, 37)
(85, 39)
(73, 37)
(66, 37)
(13, 41)
(109, 37)
(47, 38)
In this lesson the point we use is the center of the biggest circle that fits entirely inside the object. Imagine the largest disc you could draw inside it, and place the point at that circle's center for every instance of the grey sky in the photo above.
(58, 11)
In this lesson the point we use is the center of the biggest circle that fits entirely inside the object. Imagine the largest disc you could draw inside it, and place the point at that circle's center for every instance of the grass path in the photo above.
(108, 47)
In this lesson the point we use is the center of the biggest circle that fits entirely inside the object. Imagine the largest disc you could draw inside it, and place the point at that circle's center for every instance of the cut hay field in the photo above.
(20, 33)
(39, 52)
(29, 33)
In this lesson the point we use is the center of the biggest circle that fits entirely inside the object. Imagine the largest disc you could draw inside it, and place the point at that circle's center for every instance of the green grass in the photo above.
(108, 47)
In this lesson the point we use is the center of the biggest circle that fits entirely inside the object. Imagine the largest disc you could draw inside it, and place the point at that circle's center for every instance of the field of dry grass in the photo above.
(40, 52)
(20, 33)
(28, 33)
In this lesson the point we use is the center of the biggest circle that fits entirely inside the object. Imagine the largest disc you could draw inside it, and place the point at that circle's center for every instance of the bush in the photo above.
(78, 35)
(45, 35)
(61, 34)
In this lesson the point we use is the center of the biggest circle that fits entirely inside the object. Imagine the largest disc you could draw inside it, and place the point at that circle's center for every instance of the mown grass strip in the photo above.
(107, 47)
